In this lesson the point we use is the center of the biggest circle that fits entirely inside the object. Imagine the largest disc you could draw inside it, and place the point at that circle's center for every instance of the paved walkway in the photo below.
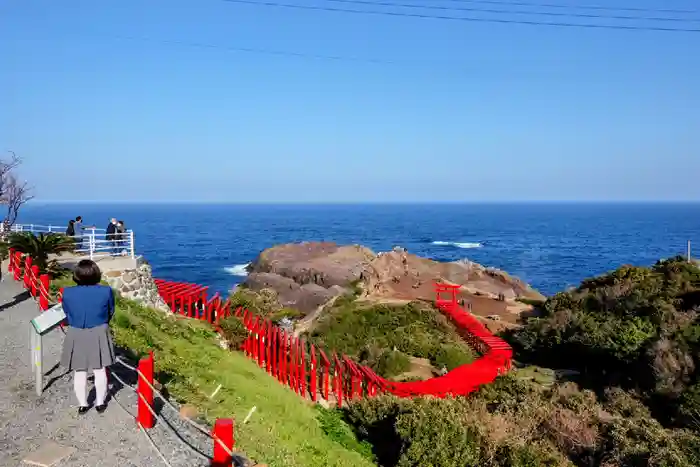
(28, 422)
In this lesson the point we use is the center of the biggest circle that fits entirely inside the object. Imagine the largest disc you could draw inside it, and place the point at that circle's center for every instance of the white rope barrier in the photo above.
(155, 415)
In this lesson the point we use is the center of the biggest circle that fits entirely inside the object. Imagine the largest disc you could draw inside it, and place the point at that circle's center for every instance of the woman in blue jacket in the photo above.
(88, 345)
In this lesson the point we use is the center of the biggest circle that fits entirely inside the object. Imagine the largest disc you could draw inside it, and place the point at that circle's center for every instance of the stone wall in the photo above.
(137, 284)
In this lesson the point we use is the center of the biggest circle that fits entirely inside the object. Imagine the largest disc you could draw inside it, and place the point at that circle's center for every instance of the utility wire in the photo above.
(461, 18)
(576, 7)
(516, 12)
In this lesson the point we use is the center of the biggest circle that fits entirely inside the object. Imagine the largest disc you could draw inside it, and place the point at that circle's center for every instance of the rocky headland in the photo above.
(306, 276)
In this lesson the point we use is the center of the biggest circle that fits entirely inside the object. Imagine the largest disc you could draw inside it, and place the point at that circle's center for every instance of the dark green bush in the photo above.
(392, 362)
(366, 331)
(233, 331)
(337, 429)
(634, 327)
(450, 356)
(289, 313)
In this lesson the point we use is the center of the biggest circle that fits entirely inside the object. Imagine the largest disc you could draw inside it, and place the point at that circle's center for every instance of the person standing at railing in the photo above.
(80, 229)
(70, 230)
(121, 238)
(111, 236)
(89, 307)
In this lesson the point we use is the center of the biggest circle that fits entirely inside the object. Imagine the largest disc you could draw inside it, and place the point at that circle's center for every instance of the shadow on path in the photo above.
(16, 300)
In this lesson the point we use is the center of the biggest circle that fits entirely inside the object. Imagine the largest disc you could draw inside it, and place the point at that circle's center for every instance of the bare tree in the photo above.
(13, 192)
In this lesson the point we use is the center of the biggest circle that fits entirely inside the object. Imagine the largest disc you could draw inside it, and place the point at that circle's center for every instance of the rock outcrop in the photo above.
(306, 275)
(137, 284)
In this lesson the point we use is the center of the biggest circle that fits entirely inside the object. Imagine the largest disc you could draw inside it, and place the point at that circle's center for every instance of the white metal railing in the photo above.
(94, 242)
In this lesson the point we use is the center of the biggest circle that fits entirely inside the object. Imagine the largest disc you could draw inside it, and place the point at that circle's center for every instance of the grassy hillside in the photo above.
(284, 431)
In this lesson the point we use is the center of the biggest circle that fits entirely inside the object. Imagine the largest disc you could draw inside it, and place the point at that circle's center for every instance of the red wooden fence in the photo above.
(310, 372)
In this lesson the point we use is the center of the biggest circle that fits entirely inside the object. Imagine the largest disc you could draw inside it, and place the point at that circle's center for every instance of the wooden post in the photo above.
(223, 434)
(689, 257)
(275, 354)
(261, 345)
(268, 349)
(302, 363)
(292, 362)
(313, 374)
(283, 357)
(145, 417)
(338, 381)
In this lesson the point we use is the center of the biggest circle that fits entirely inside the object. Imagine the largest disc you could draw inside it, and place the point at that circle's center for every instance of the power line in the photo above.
(462, 18)
(518, 12)
(576, 7)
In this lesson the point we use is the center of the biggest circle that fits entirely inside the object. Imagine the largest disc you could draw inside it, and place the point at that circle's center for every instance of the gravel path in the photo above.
(27, 422)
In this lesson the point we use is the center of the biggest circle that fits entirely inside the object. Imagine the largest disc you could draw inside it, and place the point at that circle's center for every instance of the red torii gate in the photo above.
(446, 290)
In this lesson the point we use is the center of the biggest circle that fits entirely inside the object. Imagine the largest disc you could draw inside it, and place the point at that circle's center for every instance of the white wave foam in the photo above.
(238, 270)
(465, 245)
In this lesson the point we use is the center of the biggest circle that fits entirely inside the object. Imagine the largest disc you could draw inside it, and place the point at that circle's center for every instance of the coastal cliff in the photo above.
(305, 276)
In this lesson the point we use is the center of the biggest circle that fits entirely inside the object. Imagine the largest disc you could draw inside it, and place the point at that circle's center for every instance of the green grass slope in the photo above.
(284, 430)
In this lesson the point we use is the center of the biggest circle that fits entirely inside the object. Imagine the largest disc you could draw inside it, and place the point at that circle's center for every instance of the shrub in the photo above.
(289, 313)
(366, 331)
(337, 429)
(450, 356)
(233, 331)
(434, 432)
(392, 363)
(40, 246)
(261, 303)
(635, 327)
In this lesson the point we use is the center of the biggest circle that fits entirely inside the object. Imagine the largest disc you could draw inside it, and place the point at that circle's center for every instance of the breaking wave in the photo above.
(465, 245)
(238, 270)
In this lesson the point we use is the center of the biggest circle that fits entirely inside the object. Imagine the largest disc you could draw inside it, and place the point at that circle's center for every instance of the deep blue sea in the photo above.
(551, 246)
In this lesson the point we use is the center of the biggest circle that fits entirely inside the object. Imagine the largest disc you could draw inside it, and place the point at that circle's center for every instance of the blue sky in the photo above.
(111, 101)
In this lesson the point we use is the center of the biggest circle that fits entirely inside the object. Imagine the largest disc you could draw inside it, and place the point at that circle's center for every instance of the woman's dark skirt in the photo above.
(87, 349)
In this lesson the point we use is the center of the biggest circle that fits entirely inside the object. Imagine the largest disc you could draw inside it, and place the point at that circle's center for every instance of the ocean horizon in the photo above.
(550, 244)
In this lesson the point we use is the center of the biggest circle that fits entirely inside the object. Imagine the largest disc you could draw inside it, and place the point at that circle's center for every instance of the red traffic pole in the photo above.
(18, 265)
(223, 442)
(27, 272)
(11, 258)
(34, 279)
(44, 292)
(145, 417)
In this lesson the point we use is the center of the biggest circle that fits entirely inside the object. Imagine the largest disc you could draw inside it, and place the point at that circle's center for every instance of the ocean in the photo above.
(551, 246)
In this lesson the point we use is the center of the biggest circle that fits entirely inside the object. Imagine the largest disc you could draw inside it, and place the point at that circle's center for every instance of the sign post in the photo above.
(42, 325)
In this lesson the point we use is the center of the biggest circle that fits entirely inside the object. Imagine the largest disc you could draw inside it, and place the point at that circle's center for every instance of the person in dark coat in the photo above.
(89, 307)
(70, 230)
(112, 235)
